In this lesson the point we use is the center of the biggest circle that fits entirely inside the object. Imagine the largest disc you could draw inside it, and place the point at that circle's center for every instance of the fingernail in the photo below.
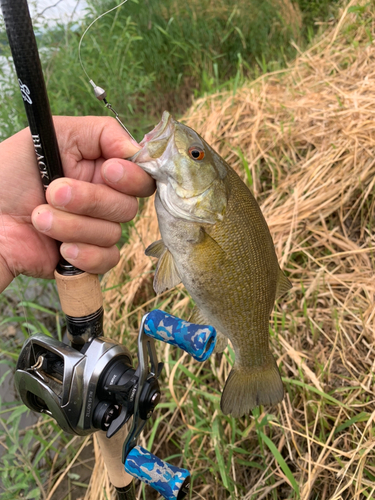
(43, 220)
(134, 142)
(69, 250)
(113, 172)
(62, 195)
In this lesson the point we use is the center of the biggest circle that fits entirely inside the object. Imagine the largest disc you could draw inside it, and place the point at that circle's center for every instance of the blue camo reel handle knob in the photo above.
(197, 340)
(171, 482)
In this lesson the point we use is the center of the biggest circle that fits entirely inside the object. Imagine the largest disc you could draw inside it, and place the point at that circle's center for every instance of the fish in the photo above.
(215, 240)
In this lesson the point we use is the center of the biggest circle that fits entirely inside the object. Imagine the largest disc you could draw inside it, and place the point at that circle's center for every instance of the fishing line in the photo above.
(100, 93)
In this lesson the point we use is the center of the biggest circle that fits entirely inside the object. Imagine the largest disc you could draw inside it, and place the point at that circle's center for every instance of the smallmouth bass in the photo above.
(216, 241)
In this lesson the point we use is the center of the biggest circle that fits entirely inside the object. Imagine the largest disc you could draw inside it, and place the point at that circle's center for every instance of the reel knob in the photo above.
(171, 482)
(197, 340)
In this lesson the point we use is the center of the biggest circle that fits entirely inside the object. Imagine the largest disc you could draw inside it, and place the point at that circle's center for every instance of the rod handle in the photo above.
(82, 302)
(80, 295)
(111, 450)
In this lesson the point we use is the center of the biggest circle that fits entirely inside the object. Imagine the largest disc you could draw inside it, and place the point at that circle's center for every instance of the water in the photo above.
(51, 12)
(56, 11)
(62, 11)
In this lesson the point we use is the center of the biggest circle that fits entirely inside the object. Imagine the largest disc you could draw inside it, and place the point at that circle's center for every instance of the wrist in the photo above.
(6, 276)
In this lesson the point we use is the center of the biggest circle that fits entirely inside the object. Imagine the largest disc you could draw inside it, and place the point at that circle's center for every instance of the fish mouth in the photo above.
(155, 143)
(158, 132)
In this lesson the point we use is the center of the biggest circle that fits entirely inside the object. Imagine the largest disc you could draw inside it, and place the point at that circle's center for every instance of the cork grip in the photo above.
(112, 455)
(80, 295)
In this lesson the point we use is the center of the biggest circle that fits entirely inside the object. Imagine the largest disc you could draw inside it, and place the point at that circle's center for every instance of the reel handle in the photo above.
(171, 482)
(197, 340)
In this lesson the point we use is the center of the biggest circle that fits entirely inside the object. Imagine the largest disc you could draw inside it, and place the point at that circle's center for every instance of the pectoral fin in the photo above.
(283, 284)
(166, 274)
(199, 318)
(211, 245)
(156, 249)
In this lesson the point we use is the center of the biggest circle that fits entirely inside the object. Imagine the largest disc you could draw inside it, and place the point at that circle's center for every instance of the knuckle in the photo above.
(129, 209)
(110, 235)
(115, 256)
(111, 258)
(94, 203)
(125, 209)
(100, 260)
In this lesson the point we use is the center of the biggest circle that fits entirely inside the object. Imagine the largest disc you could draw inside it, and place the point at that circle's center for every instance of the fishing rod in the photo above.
(84, 317)
(90, 385)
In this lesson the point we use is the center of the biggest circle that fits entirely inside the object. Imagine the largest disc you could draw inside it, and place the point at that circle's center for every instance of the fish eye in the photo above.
(196, 153)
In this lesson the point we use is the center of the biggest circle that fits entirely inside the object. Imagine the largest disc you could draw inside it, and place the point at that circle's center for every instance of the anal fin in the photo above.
(283, 284)
(199, 318)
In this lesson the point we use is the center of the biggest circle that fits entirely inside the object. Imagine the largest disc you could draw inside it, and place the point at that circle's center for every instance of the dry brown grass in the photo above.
(307, 135)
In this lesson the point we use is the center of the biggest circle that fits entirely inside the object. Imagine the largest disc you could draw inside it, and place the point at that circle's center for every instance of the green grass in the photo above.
(157, 55)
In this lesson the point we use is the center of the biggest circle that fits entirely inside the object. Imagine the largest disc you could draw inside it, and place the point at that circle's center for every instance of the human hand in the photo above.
(84, 208)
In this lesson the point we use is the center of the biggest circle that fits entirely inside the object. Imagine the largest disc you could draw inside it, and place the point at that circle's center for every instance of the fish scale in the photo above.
(217, 242)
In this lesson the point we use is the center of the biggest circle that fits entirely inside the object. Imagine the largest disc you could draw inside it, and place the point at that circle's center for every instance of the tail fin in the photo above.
(247, 387)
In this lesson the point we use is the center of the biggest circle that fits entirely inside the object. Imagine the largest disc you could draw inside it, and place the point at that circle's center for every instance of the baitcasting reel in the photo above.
(97, 388)
(87, 390)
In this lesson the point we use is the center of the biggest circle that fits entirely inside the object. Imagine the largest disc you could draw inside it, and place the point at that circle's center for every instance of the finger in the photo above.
(63, 226)
(92, 137)
(94, 200)
(90, 258)
(127, 177)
